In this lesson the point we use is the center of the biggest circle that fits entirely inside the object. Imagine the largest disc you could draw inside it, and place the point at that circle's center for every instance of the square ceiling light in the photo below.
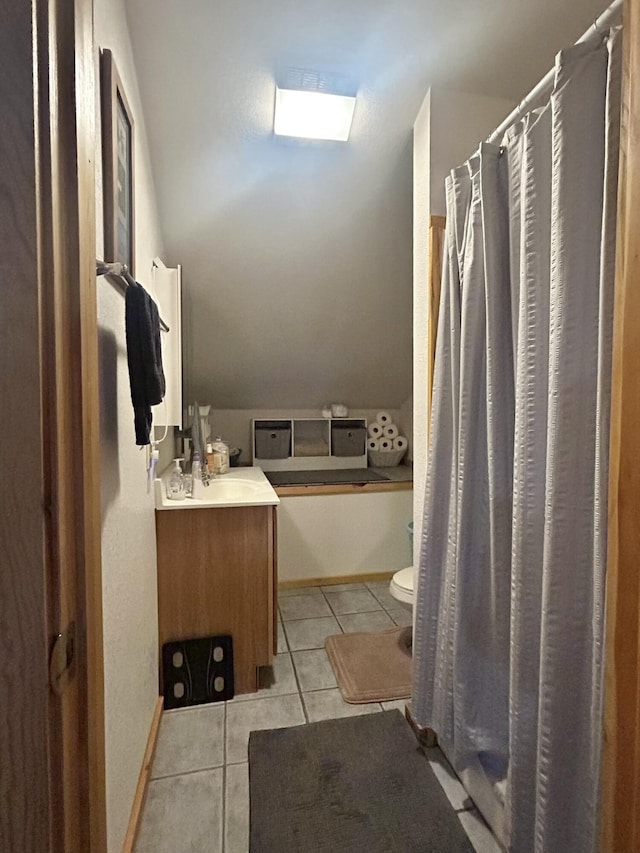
(313, 115)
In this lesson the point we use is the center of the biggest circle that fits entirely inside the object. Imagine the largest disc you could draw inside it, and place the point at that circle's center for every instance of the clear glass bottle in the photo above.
(197, 486)
(220, 456)
(176, 488)
(196, 467)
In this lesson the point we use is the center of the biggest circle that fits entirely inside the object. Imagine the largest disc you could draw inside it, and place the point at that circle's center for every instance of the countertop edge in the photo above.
(344, 489)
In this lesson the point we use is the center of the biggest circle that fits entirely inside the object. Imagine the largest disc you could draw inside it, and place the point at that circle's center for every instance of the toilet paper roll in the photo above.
(400, 443)
(386, 444)
(373, 444)
(375, 431)
(390, 431)
(383, 418)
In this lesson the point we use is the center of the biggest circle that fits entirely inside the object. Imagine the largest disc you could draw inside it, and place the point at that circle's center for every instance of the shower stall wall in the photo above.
(509, 616)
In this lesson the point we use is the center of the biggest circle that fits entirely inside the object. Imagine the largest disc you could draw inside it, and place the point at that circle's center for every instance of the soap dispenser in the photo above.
(176, 489)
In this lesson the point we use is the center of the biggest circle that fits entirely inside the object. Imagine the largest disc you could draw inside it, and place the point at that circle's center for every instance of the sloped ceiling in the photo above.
(297, 258)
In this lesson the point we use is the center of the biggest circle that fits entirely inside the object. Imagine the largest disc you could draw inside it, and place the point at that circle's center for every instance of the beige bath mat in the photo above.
(372, 667)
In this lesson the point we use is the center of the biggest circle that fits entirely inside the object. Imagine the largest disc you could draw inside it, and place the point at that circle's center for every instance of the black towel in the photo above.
(144, 356)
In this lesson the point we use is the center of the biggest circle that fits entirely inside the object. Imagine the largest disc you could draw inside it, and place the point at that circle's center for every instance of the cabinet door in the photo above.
(215, 576)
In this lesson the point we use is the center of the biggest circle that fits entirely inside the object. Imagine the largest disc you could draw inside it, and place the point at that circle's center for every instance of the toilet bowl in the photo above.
(401, 587)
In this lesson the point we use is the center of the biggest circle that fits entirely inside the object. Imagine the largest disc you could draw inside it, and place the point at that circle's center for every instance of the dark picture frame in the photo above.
(117, 166)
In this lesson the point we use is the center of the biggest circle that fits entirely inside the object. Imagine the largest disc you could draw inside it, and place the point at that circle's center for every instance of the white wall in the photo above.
(234, 425)
(128, 523)
(449, 127)
(330, 536)
(296, 255)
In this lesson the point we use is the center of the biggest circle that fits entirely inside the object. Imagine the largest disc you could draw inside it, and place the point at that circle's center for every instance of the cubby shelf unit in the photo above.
(309, 444)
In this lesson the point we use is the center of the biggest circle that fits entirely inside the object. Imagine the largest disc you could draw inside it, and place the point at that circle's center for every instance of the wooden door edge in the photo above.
(65, 150)
(620, 800)
(90, 560)
(85, 80)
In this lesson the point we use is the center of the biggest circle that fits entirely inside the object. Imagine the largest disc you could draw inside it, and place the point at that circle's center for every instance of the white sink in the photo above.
(243, 487)
(231, 487)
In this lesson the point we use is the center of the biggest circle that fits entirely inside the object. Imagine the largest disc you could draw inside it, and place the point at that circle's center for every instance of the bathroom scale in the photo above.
(197, 671)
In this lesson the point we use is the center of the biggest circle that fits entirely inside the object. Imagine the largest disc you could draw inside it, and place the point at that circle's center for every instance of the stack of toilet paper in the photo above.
(384, 435)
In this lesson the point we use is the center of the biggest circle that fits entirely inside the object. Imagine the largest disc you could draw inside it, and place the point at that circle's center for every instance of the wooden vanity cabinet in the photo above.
(217, 574)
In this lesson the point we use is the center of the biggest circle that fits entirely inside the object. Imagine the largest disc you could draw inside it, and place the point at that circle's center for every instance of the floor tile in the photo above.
(401, 617)
(373, 585)
(189, 739)
(479, 833)
(329, 705)
(311, 633)
(303, 607)
(299, 590)
(314, 670)
(236, 809)
(278, 680)
(377, 620)
(450, 783)
(395, 705)
(386, 599)
(342, 587)
(183, 813)
(282, 640)
(352, 601)
(271, 713)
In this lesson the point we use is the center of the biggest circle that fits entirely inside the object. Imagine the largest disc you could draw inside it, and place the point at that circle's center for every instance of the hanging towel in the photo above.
(144, 357)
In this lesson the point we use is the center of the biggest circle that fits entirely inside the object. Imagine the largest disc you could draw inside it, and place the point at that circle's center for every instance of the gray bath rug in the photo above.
(354, 785)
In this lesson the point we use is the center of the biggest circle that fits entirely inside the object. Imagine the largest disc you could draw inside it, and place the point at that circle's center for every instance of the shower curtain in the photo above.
(510, 602)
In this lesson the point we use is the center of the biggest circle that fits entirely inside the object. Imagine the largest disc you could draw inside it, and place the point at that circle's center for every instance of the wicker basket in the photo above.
(385, 458)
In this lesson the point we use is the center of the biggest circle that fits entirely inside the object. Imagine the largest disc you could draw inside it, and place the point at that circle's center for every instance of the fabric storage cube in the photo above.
(272, 439)
(348, 438)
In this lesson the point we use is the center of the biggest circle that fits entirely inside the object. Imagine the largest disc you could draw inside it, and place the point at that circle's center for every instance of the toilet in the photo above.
(401, 587)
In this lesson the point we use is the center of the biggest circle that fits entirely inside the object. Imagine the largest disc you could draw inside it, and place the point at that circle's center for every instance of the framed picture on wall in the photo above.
(117, 166)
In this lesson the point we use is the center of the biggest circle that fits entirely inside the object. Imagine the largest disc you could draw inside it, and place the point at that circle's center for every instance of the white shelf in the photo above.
(306, 440)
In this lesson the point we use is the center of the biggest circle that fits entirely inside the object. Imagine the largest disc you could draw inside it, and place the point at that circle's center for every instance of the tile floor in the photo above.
(198, 797)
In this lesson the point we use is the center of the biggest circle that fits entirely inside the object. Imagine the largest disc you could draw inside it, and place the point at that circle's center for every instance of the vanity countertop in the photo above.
(240, 487)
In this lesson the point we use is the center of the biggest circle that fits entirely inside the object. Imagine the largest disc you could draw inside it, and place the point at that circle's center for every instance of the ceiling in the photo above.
(297, 257)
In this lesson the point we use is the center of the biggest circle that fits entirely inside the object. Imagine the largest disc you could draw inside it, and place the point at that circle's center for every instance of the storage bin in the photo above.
(348, 438)
(273, 439)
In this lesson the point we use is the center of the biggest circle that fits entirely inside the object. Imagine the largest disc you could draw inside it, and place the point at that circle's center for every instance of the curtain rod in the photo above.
(607, 19)
(120, 271)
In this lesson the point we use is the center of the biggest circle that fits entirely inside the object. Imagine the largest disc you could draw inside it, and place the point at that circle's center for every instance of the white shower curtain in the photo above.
(509, 615)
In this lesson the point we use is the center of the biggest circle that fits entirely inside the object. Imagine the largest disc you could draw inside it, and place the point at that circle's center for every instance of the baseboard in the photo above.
(324, 581)
(143, 780)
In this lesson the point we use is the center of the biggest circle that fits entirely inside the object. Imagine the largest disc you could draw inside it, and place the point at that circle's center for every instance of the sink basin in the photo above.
(230, 488)
(245, 487)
